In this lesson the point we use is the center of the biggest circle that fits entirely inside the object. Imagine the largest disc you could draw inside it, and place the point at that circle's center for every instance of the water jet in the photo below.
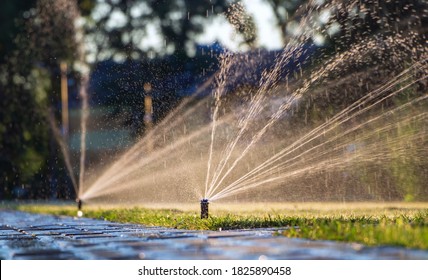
(281, 137)
(204, 208)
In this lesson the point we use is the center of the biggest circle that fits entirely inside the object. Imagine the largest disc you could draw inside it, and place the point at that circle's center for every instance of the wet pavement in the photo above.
(33, 236)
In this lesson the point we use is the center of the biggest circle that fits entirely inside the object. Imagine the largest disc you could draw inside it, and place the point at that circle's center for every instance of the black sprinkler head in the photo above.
(204, 208)
(79, 207)
(79, 204)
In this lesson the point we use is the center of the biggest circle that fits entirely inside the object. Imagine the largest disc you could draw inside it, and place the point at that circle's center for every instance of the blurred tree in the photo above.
(351, 21)
(340, 23)
(14, 13)
(134, 29)
(86, 6)
(43, 35)
(243, 23)
(23, 130)
(11, 12)
(284, 11)
(17, 118)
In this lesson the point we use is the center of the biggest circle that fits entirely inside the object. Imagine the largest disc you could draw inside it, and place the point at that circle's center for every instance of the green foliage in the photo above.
(399, 230)
(24, 134)
(40, 38)
(284, 12)
(86, 6)
(52, 27)
(177, 23)
(243, 23)
(11, 12)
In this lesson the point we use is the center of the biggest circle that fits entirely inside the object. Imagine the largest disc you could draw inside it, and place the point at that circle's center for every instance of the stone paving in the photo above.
(32, 236)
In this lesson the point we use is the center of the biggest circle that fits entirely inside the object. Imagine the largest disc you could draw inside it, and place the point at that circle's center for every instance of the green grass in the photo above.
(407, 227)
(407, 231)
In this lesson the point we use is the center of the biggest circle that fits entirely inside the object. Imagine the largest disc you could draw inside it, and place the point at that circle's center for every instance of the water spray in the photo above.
(79, 207)
(204, 208)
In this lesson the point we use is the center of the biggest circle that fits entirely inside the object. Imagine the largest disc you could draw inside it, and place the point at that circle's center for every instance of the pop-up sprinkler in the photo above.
(204, 208)
(79, 207)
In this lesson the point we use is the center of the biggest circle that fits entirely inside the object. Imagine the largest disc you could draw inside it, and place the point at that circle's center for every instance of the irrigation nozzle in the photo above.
(79, 204)
(79, 207)
(204, 208)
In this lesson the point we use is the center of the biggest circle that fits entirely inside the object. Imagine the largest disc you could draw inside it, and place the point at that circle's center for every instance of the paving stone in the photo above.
(43, 255)
(222, 234)
(42, 233)
(8, 232)
(54, 237)
(112, 255)
(82, 233)
(16, 237)
(116, 231)
(3, 227)
(43, 228)
(97, 229)
(90, 236)
(170, 236)
(20, 243)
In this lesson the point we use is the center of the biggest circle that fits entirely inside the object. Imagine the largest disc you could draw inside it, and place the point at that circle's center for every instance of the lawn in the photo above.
(396, 224)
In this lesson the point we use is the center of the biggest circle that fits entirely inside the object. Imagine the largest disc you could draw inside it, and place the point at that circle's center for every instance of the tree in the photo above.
(11, 13)
(284, 11)
(243, 23)
(122, 29)
(29, 86)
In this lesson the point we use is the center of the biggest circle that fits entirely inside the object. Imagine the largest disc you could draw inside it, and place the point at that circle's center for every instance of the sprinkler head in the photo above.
(79, 204)
(79, 207)
(204, 208)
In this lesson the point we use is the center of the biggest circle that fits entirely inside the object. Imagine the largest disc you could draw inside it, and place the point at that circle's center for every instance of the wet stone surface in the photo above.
(32, 236)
